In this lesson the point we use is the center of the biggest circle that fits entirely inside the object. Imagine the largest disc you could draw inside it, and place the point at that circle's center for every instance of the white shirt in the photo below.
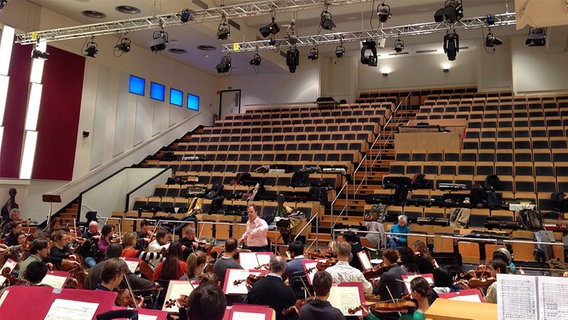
(343, 272)
(155, 246)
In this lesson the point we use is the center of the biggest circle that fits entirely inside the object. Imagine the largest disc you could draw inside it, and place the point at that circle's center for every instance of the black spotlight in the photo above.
(326, 20)
(271, 28)
(159, 41)
(271, 42)
(452, 11)
(451, 45)
(92, 49)
(370, 60)
(292, 59)
(490, 19)
(3, 3)
(339, 51)
(124, 45)
(223, 31)
(256, 60)
(185, 15)
(383, 12)
(398, 45)
(225, 65)
(536, 37)
(492, 41)
(38, 54)
(314, 54)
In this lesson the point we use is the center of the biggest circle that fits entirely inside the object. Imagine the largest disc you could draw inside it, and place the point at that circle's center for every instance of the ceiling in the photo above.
(349, 17)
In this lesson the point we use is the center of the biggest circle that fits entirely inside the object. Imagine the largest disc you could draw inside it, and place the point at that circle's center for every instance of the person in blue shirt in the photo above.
(396, 239)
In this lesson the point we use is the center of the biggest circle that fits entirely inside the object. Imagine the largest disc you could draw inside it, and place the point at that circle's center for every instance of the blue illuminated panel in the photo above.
(176, 97)
(192, 102)
(136, 85)
(157, 91)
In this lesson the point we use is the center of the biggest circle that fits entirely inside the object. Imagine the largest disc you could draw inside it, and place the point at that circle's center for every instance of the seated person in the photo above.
(424, 260)
(495, 267)
(320, 308)
(295, 268)
(420, 291)
(207, 301)
(343, 272)
(34, 273)
(356, 247)
(378, 238)
(398, 239)
(173, 268)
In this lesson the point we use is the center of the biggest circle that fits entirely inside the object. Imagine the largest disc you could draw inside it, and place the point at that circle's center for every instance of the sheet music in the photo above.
(248, 260)
(9, 264)
(175, 289)
(344, 298)
(552, 297)
(407, 278)
(131, 263)
(239, 315)
(312, 266)
(54, 281)
(516, 297)
(62, 309)
(364, 258)
(237, 275)
(146, 317)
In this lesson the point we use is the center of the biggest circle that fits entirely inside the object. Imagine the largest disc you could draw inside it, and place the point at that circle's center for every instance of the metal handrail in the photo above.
(308, 224)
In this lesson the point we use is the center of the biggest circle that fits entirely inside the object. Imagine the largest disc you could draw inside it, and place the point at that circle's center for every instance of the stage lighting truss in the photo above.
(383, 12)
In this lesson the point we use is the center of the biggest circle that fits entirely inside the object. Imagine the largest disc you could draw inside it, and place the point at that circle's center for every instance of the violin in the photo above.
(402, 306)
(125, 298)
(326, 263)
(481, 282)
(250, 280)
(296, 307)
(183, 301)
(376, 271)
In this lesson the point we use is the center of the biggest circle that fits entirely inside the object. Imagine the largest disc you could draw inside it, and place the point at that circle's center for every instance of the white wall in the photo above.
(495, 68)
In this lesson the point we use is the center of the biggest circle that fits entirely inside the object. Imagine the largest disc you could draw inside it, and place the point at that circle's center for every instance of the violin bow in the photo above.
(131, 292)
(392, 298)
(305, 287)
(188, 280)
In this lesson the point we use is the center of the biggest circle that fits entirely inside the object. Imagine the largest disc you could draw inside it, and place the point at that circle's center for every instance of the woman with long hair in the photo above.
(195, 265)
(129, 241)
(173, 268)
(424, 260)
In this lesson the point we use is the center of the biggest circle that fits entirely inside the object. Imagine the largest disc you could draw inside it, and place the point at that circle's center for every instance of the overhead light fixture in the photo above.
(225, 65)
(314, 54)
(291, 33)
(3, 3)
(446, 70)
(91, 48)
(398, 45)
(452, 12)
(326, 18)
(536, 37)
(370, 60)
(340, 51)
(223, 31)
(38, 54)
(492, 41)
(185, 15)
(271, 28)
(256, 60)
(383, 12)
(292, 59)
(490, 19)
(123, 45)
(451, 45)
(159, 41)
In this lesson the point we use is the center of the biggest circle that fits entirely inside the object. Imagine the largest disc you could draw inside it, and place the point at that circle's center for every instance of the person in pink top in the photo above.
(255, 235)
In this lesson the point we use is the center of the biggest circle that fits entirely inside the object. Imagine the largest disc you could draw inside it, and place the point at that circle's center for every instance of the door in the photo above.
(229, 102)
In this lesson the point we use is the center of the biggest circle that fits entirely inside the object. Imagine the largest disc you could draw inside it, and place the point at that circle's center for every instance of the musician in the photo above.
(15, 215)
(88, 250)
(495, 267)
(391, 279)
(407, 259)
(112, 274)
(423, 259)
(34, 273)
(61, 247)
(420, 291)
(191, 244)
(353, 240)
(320, 308)
(397, 240)
(144, 235)
(13, 227)
(162, 241)
(343, 272)
(255, 235)
(113, 251)
(226, 261)
(295, 268)
(195, 265)
(272, 291)
(129, 240)
(506, 256)
(173, 268)
(16, 251)
(38, 252)
(107, 233)
(205, 302)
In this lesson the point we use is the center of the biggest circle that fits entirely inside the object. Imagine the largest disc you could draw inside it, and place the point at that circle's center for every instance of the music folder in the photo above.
(249, 311)
(407, 278)
(175, 289)
(235, 280)
(347, 295)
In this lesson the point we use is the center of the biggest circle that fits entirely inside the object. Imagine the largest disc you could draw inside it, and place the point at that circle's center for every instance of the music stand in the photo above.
(51, 198)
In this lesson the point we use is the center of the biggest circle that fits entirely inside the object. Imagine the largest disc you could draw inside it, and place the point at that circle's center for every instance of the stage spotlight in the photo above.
(159, 41)
(271, 42)
(256, 60)
(3, 3)
(292, 59)
(536, 37)
(124, 45)
(339, 51)
(383, 12)
(38, 54)
(451, 45)
(327, 20)
(398, 45)
(223, 31)
(490, 19)
(314, 54)
(492, 41)
(452, 11)
(92, 48)
(271, 28)
(225, 65)
(370, 60)
(185, 15)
